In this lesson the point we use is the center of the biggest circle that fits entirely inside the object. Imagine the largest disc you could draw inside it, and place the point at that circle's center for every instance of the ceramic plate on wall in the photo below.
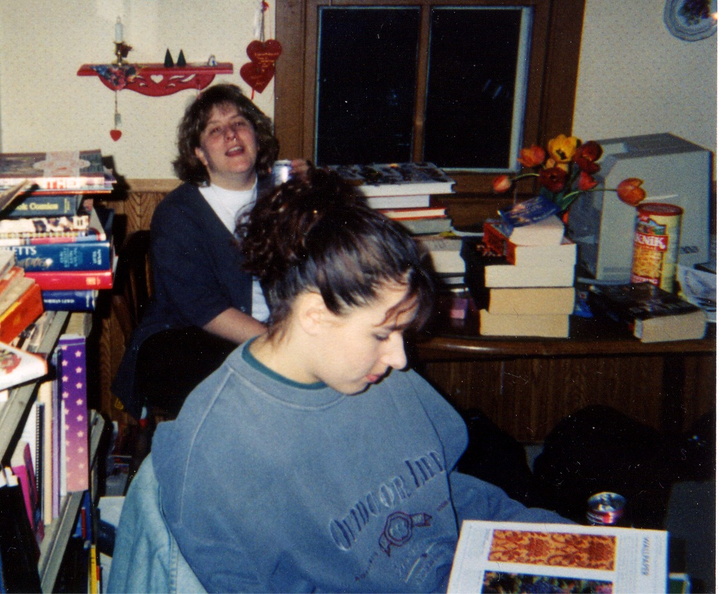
(685, 19)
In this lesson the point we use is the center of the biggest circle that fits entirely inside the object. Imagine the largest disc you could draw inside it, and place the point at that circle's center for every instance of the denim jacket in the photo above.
(146, 557)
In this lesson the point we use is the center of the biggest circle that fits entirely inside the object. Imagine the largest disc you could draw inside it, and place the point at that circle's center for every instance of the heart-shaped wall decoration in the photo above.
(115, 134)
(261, 68)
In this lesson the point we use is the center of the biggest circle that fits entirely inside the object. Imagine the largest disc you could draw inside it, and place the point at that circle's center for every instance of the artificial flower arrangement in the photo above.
(565, 171)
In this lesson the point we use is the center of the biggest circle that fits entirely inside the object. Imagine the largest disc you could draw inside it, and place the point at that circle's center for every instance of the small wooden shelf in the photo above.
(155, 80)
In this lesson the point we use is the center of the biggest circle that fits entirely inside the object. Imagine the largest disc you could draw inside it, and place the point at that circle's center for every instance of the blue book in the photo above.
(70, 300)
(76, 255)
(45, 205)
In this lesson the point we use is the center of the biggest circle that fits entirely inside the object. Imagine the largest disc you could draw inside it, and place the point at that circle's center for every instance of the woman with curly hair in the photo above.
(312, 460)
(203, 305)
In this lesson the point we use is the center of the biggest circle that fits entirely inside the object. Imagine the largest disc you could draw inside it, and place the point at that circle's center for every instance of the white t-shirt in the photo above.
(228, 205)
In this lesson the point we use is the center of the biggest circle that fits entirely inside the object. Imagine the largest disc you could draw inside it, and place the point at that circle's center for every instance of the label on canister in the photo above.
(655, 244)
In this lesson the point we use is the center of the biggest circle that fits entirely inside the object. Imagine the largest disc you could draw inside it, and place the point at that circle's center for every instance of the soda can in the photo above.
(605, 508)
(282, 171)
(655, 244)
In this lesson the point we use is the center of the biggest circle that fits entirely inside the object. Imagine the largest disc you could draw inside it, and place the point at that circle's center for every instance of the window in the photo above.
(462, 84)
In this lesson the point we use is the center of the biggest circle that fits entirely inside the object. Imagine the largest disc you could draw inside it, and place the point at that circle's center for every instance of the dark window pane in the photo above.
(472, 88)
(366, 84)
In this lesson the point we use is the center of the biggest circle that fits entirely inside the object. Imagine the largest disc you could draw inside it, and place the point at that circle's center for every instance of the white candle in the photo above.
(118, 31)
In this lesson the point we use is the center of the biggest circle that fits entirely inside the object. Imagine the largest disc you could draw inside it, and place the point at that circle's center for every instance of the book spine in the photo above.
(497, 244)
(73, 386)
(21, 314)
(48, 205)
(79, 300)
(41, 225)
(91, 235)
(71, 280)
(80, 255)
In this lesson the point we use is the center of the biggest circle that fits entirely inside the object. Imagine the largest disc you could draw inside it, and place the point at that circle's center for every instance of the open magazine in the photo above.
(531, 557)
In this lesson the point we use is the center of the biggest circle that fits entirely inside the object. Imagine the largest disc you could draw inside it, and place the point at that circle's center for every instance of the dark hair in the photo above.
(187, 165)
(317, 234)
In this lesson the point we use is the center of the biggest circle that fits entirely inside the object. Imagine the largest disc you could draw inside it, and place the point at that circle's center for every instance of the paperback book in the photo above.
(513, 324)
(444, 252)
(496, 242)
(649, 312)
(55, 233)
(44, 205)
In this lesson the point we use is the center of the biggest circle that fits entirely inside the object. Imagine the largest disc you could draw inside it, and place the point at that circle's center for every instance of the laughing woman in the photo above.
(203, 305)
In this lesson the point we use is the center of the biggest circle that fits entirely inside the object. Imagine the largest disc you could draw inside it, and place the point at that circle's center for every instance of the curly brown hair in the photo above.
(316, 233)
(187, 165)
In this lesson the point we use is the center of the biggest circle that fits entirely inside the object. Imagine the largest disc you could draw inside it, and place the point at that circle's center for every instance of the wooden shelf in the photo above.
(155, 80)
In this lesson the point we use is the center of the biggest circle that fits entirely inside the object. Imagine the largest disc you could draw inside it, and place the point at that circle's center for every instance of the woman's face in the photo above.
(359, 348)
(229, 149)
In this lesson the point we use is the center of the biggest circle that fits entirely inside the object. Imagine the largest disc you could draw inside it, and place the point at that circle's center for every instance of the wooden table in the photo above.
(527, 385)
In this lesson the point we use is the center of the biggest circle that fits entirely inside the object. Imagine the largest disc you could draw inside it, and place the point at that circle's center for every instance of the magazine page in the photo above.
(527, 557)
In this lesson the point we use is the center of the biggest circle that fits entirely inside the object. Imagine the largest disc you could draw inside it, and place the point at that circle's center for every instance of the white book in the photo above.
(508, 275)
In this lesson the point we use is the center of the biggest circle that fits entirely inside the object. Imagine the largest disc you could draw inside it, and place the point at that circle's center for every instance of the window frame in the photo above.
(552, 72)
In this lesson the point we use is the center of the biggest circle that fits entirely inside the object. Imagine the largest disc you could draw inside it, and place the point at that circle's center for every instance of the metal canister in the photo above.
(655, 244)
(605, 508)
(282, 171)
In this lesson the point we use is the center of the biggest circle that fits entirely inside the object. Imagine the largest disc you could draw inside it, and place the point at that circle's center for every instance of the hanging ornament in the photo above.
(116, 133)
(263, 56)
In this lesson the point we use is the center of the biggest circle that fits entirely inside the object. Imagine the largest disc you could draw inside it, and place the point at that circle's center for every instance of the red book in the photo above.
(21, 314)
(72, 280)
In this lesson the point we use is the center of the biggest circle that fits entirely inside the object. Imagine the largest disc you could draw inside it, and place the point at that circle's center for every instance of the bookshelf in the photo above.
(12, 418)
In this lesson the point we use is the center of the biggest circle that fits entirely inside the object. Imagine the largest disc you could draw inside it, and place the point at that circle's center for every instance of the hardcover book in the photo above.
(535, 557)
(396, 179)
(60, 170)
(78, 300)
(44, 205)
(71, 280)
(649, 312)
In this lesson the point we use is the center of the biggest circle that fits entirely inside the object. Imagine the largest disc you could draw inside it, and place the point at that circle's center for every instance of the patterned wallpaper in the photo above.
(635, 77)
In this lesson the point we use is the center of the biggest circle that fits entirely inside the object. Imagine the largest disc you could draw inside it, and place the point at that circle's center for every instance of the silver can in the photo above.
(605, 508)
(282, 171)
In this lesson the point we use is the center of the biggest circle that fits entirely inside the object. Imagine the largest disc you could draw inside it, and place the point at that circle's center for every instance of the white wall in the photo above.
(635, 77)
(44, 105)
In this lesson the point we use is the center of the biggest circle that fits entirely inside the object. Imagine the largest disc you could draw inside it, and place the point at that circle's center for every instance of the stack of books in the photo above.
(397, 185)
(49, 221)
(522, 278)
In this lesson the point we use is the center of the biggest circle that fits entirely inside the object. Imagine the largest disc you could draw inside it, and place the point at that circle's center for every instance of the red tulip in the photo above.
(586, 182)
(554, 178)
(586, 156)
(630, 191)
(501, 184)
(532, 156)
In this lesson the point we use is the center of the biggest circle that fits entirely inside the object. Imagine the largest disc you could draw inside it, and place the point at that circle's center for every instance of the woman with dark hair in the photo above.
(203, 305)
(312, 460)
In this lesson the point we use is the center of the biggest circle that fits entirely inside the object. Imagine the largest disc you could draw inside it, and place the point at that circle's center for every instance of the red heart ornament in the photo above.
(264, 53)
(261, 68)
(255, 77)
(116, 134)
